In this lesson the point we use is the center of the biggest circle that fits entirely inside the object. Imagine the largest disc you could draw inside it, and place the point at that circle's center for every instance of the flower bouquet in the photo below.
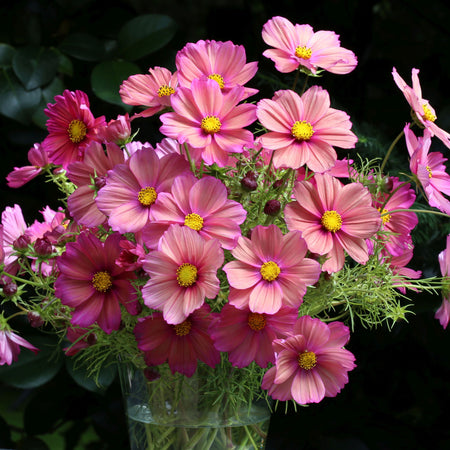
(222, 268)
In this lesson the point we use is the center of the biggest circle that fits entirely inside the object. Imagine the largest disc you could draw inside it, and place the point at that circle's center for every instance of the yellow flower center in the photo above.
(77, 131)
(256, 321)
(307, 360)
(270, 271)
(165, 91)
(303, 52)
(302, 131)
(183, 328)
(147, 196)
(427, 114)
(218, 78)
(194, 221)
(385, 217)
(331, 221)
(187, 275)
(430, 173)
(210, 124)
(102, 281)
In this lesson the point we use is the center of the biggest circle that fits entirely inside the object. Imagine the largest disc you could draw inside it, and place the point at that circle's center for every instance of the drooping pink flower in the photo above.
(298, 45)
(223, 62)
(152, 91)
(311, 363)
(212, 215)
(333, 218)
(429, 168)
(443, 313)
(270, 271)
(423, 111)
(210, 120)
(181, 345)
(10, 344)
(247, 336)
(132, 188)
(71, 126)
(38, 159)
(303, 130)
(93, 284)
(183, 273)
(132, 255)
(117, 131)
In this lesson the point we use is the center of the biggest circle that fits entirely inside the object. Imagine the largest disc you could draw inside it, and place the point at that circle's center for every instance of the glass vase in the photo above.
(175, 412)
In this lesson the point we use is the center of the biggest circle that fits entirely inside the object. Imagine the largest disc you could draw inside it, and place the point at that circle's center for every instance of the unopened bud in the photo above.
(272, 207)
(42, 247)
(35, 319)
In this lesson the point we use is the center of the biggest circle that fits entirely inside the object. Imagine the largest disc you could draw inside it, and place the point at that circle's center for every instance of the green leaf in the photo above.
(79, 374)
(83, 46)
(107, 77)
(6, 55)
(31, 370)
(144, 35)
(56, 87)
(35, 66)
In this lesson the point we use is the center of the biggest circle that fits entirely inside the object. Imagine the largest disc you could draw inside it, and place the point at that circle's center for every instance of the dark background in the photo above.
(398, 395)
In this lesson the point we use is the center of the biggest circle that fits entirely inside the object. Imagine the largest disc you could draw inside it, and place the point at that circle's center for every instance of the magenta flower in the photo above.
(183, 272)
(333, 218)
(303, 130)
(311, 363)
(117, 131)
(10, 344)
(181, 345)
(443, 313)
(247, 336)
(212, 215)
(93, 284)
(132, 188)
(210, 120)
(429, 168)
(152, 91)
(71, 126)
(270, 271)
(424, 113)
(298, 45)
(223, 62)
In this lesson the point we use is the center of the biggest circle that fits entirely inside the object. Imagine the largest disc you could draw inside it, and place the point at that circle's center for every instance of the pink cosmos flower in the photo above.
(311, 363)
(333, 218)
(212, 215)
(423, 111)
(133, 188)
(117, 131)
(152, 91)
(298, 45)
(208, 119)
(247, 336)
(169, 145)
(38, 159)
(10, 344)
(181, 345)
(270, 271)
(303, 130)
(93, 284)
(223, 62)
(183, 272)
(443, 313)
(90, 175)
(429, 168)
(71, 126)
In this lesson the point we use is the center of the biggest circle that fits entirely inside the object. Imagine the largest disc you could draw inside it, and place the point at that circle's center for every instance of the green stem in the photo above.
(390, 150)
(427, 211)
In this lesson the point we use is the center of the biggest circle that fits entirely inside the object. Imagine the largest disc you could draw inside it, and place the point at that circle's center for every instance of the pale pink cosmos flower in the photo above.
(212, 215)
(443, 313)
(298, 45)
(133, 188)
(10, 344)
(152, 91)
(303, 130)
(270, 270)
(247, 336)
(333, 218)
(311, 363)
(429, 168)
(424, 113)
(183, 273)
(181, 345)
(223, 62)
(210, 120)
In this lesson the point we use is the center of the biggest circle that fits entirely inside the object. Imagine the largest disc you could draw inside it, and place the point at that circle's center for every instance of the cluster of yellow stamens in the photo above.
(302, 131)
(194, 221)
(147, 196)
(187, 275)
(77, 131)
(303, 52)
(218, 78)
(165, 91)
(210, 124)
(331, 221)
(270, 271)
(183, 328)
(385, 217)
(102, 281)
(307, 360)
(256, 321)
(427, 114)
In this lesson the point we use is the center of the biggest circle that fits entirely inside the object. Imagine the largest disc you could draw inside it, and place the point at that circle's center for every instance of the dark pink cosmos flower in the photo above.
(10, 344)
(93, 284)
(181, 345)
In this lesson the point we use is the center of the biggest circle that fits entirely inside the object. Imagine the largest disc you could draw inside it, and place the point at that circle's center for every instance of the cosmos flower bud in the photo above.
(272, 207)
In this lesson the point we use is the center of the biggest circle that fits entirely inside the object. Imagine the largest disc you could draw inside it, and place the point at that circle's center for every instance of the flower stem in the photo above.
(390, 150)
